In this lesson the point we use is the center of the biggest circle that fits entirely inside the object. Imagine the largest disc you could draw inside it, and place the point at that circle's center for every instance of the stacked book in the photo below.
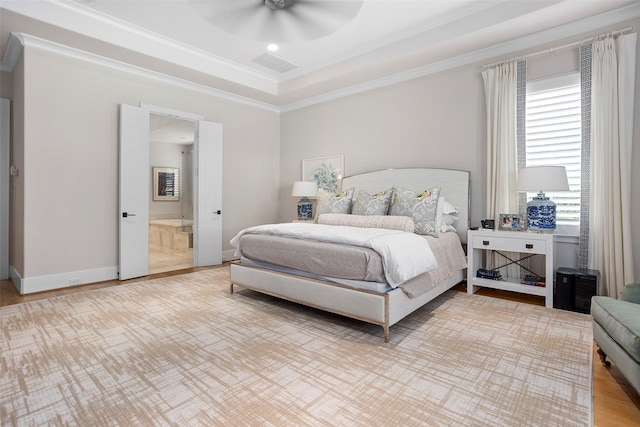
(488, 274)
(533, 280)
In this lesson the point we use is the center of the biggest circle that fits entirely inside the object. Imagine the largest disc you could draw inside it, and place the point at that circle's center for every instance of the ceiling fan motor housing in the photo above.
(279, 21)
(278, 4)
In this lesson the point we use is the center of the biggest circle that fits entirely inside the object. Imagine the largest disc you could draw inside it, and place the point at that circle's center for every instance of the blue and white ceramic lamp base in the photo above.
(305, 209)
(541, 215)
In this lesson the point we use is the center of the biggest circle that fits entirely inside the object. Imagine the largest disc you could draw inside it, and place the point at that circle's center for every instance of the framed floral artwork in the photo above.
(326, 171)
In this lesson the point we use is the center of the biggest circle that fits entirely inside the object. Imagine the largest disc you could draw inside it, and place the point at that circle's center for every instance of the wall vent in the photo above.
(274, 63)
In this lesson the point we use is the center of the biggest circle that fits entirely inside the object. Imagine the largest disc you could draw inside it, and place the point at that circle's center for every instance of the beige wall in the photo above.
(70, 165)
(6, 84)
(432, 121)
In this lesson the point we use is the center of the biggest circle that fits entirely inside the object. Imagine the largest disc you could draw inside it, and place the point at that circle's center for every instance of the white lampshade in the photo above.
(305, 189)
(541, 211)
(542, 178)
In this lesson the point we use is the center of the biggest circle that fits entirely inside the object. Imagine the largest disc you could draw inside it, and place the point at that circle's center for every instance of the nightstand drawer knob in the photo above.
(485, 242)
(529, 245)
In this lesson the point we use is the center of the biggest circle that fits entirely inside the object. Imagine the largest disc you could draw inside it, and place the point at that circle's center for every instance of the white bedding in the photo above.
(404, 255)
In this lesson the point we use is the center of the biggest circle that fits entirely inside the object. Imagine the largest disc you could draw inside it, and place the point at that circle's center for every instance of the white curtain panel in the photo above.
(612, 91)
(500, 88)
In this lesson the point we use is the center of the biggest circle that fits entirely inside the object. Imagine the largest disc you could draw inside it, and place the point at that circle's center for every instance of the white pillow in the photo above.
(449, 219)
(448, 208)
(445, 228)
(402, 223)
(446, 214)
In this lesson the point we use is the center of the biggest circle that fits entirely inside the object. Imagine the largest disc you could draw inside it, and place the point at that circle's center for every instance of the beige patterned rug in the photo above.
(182, 351)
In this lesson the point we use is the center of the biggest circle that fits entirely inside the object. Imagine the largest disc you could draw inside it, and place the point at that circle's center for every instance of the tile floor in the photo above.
(162, 261)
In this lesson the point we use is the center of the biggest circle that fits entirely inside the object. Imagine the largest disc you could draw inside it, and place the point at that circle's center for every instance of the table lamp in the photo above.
(305, 189)
(541, 211)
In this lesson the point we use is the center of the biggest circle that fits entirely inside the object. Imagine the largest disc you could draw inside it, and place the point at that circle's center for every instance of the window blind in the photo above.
(554, 135)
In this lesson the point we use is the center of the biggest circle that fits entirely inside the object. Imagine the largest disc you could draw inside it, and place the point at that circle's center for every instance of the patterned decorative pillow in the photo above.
(422, 207)
(377, 204)
(329, 202)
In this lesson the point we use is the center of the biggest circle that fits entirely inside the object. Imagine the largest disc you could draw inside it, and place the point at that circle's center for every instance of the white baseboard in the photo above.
(229, 255)
(15, 278)
(31, 285)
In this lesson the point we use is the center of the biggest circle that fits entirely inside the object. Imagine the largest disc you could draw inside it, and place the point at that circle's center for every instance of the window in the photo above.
(554, 138)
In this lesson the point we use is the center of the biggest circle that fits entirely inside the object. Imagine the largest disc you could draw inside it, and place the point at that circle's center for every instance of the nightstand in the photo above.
(524, 243)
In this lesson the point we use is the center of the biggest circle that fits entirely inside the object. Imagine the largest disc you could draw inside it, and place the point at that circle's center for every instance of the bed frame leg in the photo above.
(231, 288)
(386, 333)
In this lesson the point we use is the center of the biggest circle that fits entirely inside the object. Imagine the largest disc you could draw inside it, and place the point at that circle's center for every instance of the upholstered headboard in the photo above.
(454, 185)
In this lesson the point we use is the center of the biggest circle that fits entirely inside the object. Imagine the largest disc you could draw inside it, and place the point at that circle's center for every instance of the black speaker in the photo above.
(565, 288)
(586, 286)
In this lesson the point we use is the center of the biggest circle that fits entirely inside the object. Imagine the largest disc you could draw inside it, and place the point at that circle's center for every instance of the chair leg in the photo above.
(603, 358)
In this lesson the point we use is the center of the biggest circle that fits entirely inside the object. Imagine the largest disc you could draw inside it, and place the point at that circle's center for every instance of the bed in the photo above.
(375, 302)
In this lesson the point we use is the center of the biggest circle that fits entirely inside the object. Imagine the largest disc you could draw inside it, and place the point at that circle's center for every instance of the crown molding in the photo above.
(22, 40)
(499, 50)
(12, 53)
(78, 18)
(17, 41)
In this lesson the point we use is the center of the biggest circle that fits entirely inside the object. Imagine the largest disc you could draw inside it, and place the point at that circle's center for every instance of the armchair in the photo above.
(616, 331)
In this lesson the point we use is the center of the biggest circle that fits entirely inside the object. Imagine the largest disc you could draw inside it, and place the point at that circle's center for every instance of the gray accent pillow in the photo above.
(631, 293)
(376, 204)
(422, 207)
(329, 202)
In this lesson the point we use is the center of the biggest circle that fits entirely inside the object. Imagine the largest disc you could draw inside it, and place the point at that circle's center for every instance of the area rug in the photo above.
(183, 351)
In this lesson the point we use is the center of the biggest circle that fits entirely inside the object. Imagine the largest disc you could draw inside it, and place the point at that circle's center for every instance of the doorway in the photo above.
(8, 174)
(135, 188)
(171, 205)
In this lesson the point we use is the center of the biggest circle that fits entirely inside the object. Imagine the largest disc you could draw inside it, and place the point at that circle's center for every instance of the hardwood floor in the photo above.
(615, 402)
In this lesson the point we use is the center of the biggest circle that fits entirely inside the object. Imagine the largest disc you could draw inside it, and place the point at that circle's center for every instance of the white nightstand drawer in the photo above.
(516, 244)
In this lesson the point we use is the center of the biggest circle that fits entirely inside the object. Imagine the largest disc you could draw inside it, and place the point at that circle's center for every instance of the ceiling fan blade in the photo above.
(316, 19)
(227, 13)
(307, 26)
(299, 20)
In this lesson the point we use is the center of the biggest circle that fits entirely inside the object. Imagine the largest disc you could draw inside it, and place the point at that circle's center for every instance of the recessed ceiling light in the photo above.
(272, 47)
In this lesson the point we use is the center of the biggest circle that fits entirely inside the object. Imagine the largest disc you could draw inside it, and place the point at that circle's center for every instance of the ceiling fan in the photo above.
(279, 21)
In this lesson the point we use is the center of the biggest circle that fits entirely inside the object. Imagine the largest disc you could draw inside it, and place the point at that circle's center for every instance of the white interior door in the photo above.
(4, 186)
(134, 192)
(207, 235)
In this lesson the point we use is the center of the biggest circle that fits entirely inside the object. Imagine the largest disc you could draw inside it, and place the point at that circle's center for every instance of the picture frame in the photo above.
(166, 183)
(511, 222)
(326, 171)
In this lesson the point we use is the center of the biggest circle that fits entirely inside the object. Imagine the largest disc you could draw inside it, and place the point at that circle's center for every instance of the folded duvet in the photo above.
(404, 255)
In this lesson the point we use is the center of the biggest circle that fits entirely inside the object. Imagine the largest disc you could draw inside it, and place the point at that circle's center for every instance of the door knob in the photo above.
(218, 212)
(126, 214)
